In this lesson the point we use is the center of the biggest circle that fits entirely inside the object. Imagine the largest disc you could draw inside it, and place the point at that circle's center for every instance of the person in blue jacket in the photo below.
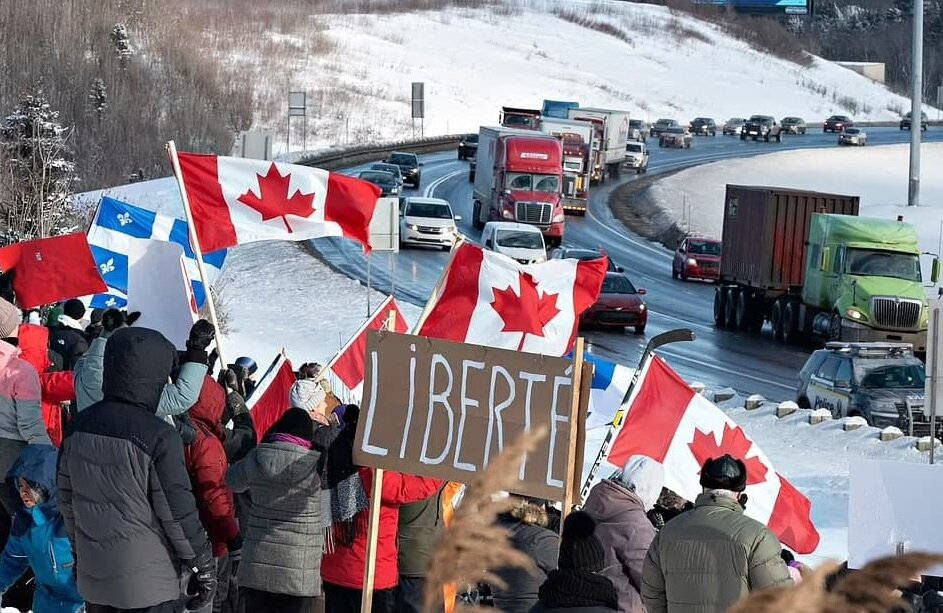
(37, 536)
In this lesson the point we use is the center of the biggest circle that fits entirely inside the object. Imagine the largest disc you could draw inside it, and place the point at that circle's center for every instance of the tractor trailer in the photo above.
(805, 262)
(576, 137)
(518, 177)
(610, 134)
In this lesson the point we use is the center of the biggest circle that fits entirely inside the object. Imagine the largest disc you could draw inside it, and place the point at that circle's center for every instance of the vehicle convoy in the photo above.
(610, 133)
(557, 108)
(636, 157)
(697, 257)
(906, 120)
(576, 138)
(806, 263)
(881, 382)
(676, 136)
(518, 178)
(427, 221)
(524, 119)
(762, 127)
(518, 241)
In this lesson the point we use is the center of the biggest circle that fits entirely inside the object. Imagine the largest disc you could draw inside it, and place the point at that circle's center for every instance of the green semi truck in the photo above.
(806, 263)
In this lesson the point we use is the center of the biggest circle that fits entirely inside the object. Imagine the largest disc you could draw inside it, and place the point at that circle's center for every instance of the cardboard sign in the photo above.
(445, 410)
(893, 507)
(158, 287)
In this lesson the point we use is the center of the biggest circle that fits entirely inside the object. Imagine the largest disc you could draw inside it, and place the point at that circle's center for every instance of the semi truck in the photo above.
(805, 262)
(557, 108)
(576, 137)
(524, 119)
(518, 177)
(610, 134)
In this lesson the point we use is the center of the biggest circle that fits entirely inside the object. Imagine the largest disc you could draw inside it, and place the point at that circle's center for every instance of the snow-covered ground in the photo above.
(877, 174)
(357, 70)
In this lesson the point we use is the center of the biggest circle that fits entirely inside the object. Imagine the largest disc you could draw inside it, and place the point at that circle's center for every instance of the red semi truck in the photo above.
(518, 177)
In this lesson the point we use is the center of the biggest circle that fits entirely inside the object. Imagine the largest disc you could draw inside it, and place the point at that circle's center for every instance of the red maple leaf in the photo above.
(733, 442)
(528, 313)
(274, 200)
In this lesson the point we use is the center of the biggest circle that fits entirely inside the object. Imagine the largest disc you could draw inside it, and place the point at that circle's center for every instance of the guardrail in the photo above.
(344, 158)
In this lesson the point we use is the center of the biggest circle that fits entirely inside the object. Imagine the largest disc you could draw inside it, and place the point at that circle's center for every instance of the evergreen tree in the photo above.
(122, 41)
(37, 174)
(98, 97)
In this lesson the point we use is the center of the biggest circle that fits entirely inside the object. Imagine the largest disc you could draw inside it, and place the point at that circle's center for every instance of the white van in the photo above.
(518, 241)
(427, 221)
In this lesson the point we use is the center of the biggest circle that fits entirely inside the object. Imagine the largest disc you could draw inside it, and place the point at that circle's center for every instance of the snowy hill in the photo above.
(653, 62)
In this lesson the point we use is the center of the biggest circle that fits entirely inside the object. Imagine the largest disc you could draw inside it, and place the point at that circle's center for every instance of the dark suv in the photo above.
(881, 382)
(408, 164)
(703, 126)
(468, 146)
(905, 121)
(661, 126)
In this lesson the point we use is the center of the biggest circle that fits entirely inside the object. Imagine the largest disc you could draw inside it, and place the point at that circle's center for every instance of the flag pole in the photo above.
(171, 149)
(437, 290)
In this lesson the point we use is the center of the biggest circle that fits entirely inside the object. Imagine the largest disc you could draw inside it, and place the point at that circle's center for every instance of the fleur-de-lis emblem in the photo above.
(124, 218)
(111, 302)
(108, 266)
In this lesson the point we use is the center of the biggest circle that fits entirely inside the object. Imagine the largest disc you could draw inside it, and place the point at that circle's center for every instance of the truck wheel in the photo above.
(776, 320)
(476, 214)
(720, 307)
(471, 176)
(834, 327)
(744, 311)
(792, 330)
(779, 137)
(730, 312)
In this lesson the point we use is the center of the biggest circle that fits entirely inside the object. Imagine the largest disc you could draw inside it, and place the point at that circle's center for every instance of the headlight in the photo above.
(855, 314)
(394, 189)
(641, 308)
(692, 262)
(507, 214)
(883, 407)
(558, 217)
(410, 226)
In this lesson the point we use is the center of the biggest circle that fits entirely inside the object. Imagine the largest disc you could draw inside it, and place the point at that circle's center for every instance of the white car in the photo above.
(427, 221)
(853, 136)
(518, 241)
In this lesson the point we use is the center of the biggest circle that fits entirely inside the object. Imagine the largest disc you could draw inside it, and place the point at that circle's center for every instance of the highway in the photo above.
(750, 364)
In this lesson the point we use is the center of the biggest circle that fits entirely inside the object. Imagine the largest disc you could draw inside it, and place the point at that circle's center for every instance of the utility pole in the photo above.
(916, 105)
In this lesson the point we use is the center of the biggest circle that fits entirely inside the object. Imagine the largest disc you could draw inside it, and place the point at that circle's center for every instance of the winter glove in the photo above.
(201, 335)
(211, 361)
(233, 380)
(202, 585)
(112, 321)
(236, 404)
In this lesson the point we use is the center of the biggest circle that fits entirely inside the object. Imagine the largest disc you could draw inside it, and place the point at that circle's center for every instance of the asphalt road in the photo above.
(750, 364)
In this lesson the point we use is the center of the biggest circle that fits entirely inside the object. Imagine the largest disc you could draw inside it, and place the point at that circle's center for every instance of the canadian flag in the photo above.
(238, 200)
(669, 422)
(490, 299)
(348, 364)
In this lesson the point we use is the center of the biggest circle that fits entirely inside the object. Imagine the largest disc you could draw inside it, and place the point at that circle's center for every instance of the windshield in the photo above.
(665, 122)
(792, 120)
(526, 121)
(703, 248)
(390, 168)
(852, 131)
(617, 284)
(471, 138)
(403, 159)
(377, 177)
(883, 264)
(890, 373)
(549, 184)
(518, 239)
(675, 130)
(635, 123)
(633, 148)
(431, 210)
(735, 121)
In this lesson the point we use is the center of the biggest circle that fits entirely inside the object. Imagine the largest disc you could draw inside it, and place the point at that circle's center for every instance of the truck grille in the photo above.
(896, 314)
(534, 212)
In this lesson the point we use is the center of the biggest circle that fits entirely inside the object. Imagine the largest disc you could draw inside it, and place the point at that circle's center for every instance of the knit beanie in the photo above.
(295, 422)
(10, 319)
(306, 394)
(724, 473)
(74, 308)
(644, 477)
(579, 547)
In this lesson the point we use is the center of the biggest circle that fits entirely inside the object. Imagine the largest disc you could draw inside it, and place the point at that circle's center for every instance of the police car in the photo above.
(882, 382)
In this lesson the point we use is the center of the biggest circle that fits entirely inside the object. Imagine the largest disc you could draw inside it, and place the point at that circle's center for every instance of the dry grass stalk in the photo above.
(474, 545)
(870, 590)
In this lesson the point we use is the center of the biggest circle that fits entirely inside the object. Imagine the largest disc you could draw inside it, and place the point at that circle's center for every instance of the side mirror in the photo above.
(823, 263)
(489, 244)
(422, 163)
(843, 384)
(619, 269)
(935, 271)
(642, 291)
(457, 218)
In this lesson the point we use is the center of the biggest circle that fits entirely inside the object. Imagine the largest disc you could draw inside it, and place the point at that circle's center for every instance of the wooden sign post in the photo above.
(573, 439)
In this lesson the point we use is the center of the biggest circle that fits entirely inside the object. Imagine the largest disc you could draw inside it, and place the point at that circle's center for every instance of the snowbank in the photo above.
(651, 62)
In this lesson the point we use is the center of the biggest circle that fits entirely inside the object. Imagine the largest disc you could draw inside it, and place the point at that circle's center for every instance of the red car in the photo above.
(697, 257)
(619, 305)
(837, 123)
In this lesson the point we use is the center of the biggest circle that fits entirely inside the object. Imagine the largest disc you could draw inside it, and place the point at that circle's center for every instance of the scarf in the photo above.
(343, 509)
(577, 588)
(281, 437)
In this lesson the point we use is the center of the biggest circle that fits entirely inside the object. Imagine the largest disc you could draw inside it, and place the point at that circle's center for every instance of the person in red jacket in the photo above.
(342, 567)
(56, 387)
(207, 465)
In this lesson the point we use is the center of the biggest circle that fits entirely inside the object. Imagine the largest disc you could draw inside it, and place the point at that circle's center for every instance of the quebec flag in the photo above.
(610, 382)
(121, 230)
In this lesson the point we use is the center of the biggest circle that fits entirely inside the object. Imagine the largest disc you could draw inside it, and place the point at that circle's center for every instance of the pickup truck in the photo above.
(762, 127)
(636, 157)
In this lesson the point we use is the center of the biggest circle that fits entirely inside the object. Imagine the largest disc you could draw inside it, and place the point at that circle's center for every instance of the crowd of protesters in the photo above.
(136, 481)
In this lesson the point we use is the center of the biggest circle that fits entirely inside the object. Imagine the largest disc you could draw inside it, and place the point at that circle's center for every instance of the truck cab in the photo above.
(863, 279)
(522, 119)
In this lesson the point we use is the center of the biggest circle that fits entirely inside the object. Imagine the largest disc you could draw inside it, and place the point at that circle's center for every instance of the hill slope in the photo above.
(357, 69)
